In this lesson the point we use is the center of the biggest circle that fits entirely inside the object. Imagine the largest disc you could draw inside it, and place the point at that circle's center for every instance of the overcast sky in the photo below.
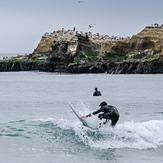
(24, 22)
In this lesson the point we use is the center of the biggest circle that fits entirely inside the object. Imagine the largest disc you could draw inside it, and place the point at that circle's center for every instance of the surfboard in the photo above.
(79, 117)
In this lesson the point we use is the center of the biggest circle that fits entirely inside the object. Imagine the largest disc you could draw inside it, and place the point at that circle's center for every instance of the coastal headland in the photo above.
(71, 51)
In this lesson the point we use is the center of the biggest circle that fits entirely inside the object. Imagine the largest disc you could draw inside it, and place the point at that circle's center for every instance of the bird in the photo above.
(91, 25)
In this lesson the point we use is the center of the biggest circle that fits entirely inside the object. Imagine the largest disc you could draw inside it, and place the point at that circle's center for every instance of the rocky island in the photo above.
(71, 51)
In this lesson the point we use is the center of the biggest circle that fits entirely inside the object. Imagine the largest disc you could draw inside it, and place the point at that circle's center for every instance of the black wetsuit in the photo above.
(110, 113)
(97, 93)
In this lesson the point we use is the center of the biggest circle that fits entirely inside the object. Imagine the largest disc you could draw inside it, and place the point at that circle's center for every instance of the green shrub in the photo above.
(76, 60)
(92, 57)
(38, 58)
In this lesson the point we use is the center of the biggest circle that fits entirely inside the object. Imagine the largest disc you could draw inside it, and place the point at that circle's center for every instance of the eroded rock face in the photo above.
(45, 45)
(148, 38)
(76, 48)
(123, 67)
(67, 51)
(70, 46)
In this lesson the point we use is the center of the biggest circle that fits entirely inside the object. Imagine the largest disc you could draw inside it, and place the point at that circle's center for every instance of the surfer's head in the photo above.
(103, 103)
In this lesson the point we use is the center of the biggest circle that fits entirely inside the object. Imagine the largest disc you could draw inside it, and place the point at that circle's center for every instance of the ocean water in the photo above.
(7, 55)
(37, 124)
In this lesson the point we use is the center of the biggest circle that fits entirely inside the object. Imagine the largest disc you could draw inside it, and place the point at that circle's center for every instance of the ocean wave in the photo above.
(134, 135)
(63, 132)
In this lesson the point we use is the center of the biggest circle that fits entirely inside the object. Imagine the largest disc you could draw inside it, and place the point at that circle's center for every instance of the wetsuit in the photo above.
(97, 93)
(110, 113)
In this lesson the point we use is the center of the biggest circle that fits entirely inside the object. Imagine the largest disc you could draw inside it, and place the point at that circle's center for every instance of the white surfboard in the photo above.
(79, 117)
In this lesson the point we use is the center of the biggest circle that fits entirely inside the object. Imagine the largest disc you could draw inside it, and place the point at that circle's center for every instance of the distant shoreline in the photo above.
(8, 55)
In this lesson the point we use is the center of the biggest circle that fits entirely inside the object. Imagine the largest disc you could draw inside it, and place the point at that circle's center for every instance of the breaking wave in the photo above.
(62, 132)
(135, 135)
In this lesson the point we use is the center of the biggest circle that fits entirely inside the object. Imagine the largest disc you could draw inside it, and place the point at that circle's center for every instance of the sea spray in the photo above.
(134, 135)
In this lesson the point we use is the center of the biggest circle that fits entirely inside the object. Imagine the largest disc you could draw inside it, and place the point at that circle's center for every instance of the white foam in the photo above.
(143, 135)
(135, 135)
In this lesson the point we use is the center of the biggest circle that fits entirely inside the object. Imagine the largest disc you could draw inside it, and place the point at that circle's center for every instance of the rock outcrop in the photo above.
(68, 44)
(76, 48)
(123, 67)
(69, 51)
(149, 38)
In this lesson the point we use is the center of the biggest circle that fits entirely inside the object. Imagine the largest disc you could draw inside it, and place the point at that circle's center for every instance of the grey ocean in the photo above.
(38, 126)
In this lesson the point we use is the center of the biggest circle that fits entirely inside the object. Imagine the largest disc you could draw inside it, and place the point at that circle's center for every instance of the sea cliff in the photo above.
(74, 52)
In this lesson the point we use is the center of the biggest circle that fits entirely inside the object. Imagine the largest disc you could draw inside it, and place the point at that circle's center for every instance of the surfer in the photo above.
(97, 93)
(109, 113)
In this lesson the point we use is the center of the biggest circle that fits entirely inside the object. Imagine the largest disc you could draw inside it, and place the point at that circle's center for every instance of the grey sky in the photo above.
(23, 22)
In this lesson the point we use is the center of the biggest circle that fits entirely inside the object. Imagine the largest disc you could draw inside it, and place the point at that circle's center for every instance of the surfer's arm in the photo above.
(98, 111)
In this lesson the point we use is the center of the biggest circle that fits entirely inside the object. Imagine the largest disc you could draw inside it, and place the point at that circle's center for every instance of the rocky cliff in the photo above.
(74, 52)
(72, 45)
(149, 38)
